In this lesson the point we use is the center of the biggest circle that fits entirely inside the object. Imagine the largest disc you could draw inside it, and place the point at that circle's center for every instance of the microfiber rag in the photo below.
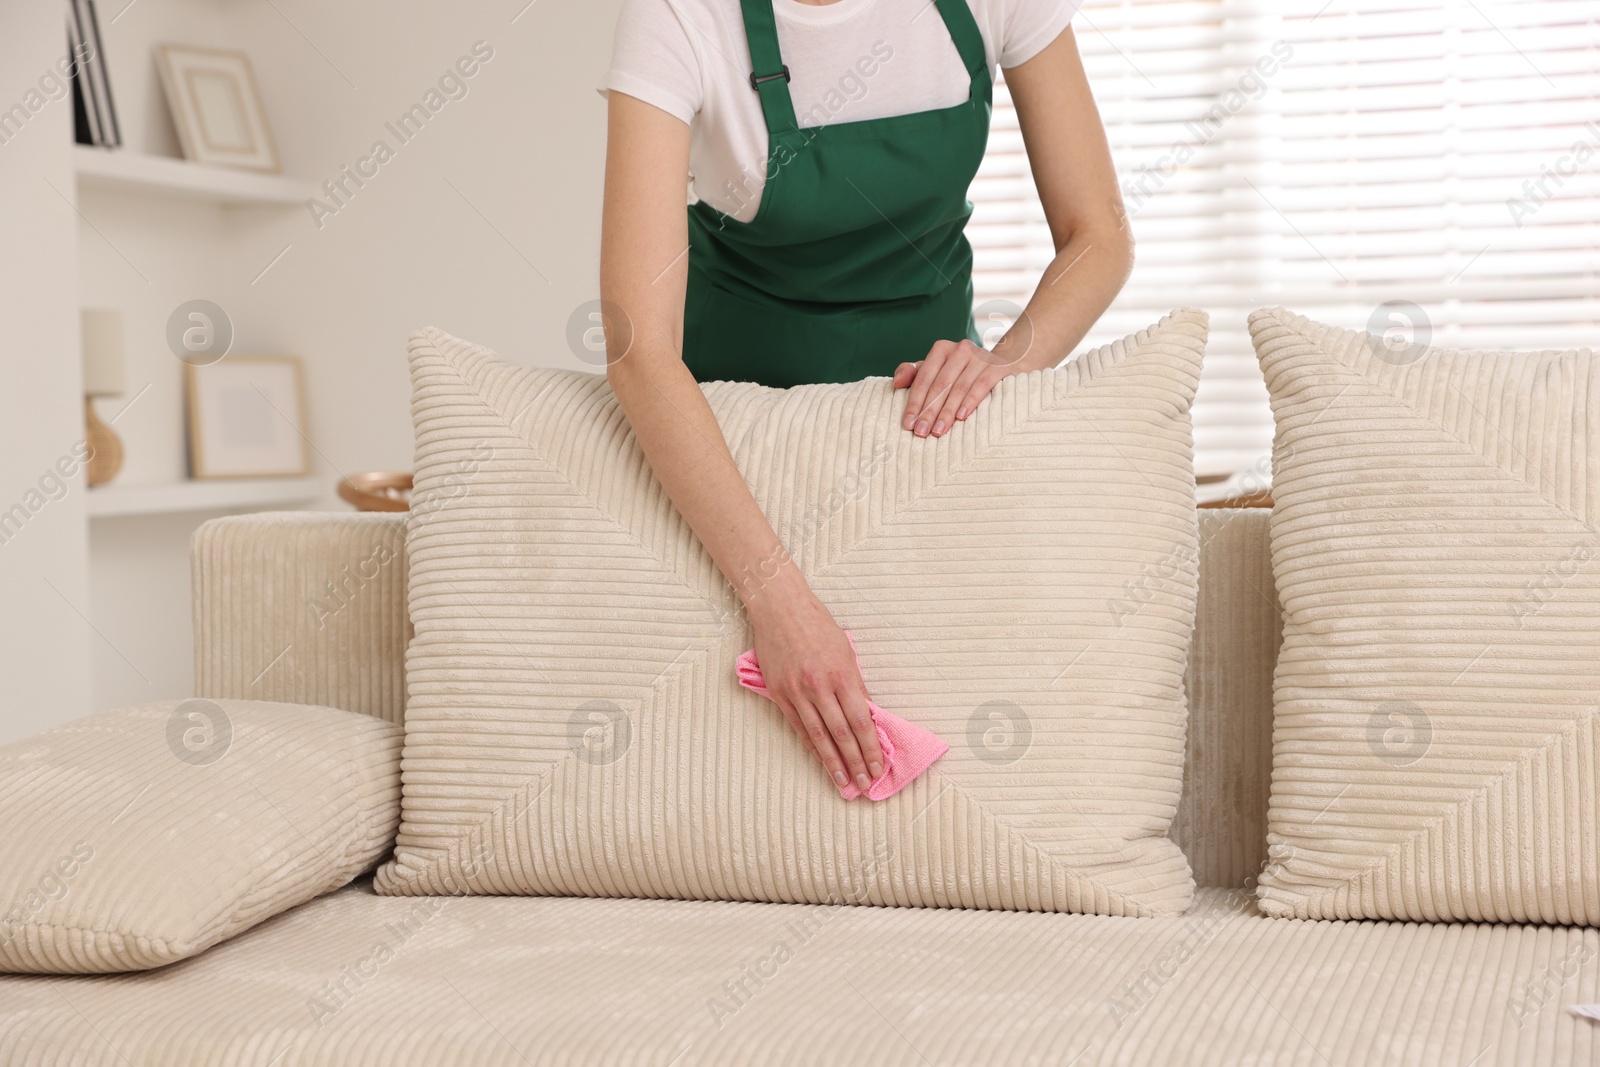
(908, 749)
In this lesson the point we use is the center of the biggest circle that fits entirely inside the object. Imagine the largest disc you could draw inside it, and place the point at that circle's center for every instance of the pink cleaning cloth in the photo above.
(908, 749)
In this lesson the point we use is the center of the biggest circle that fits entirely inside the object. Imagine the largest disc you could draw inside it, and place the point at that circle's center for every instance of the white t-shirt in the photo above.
(848, 60)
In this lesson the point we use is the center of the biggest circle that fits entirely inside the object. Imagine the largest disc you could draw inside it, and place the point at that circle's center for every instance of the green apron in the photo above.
(856, 260)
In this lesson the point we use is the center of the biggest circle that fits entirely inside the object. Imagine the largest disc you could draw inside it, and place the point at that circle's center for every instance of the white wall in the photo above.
(44, 635)
(455, 231)
(508, 176)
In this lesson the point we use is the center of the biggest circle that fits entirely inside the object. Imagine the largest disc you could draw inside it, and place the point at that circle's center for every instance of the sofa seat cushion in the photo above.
(357, 978)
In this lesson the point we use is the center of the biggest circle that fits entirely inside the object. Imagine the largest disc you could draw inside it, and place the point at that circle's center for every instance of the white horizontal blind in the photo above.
(1332, 157)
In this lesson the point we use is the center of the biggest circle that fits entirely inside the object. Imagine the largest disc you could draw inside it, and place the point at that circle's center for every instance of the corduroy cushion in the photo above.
(1434, 747)
(144, 835)
(1024, 588)
(356, 980)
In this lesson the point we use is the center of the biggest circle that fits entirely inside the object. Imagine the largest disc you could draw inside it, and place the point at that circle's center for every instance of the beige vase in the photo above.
(105, 449)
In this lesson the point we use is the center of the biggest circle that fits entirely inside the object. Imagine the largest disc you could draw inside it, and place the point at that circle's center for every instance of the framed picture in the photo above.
(246, 418)
(216, 107)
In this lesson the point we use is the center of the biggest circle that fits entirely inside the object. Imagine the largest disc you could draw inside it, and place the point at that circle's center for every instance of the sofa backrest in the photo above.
(1222, 813)
(310, 608)
(304, 607)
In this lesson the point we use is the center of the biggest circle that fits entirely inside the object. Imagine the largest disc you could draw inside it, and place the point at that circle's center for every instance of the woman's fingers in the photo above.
(923, 383)
(947, 387)
(819, 736)
(972, 386)
(843, 734)
(930, 418)
(853, 703)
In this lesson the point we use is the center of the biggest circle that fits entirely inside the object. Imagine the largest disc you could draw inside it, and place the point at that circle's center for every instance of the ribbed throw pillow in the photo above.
(1023, 587)
(141, 836)
(1435, 753)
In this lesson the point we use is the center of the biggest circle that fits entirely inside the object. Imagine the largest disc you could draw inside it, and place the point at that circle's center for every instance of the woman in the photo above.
(829, 145)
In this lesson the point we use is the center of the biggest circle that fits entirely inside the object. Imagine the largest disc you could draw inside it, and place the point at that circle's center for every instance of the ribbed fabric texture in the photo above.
(354, 980)
(1222, 814)
(302, 607)
(1221, 821)
(1438, 689)
(143, 835)
(1024, 587)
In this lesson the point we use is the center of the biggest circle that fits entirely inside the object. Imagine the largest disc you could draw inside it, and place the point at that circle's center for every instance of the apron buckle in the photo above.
(756, 80)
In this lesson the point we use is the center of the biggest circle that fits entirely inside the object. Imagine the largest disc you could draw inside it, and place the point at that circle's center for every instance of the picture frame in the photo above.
(216, 107)
(246, 418)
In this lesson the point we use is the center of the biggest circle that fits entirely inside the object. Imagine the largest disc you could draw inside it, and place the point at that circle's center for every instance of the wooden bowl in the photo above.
(377, 490)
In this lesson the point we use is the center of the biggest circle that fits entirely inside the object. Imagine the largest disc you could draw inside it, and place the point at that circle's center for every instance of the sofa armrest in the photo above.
(304, 608)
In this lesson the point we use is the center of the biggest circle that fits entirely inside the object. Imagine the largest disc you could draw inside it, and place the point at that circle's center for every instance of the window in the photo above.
(1427, 169)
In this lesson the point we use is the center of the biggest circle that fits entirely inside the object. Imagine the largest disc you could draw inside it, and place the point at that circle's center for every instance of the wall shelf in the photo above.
(120, 170)
(168, 498)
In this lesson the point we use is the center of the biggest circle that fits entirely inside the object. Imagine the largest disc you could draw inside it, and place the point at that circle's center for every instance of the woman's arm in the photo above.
(806, 660)
(1077, 184)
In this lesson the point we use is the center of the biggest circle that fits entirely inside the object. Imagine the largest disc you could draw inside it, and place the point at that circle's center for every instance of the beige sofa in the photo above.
(356, 978)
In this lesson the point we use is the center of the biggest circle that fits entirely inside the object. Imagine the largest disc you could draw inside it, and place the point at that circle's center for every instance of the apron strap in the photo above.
(968, 39)
(771, 77)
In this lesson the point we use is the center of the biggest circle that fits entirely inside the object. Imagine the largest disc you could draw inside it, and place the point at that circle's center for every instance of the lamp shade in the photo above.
(102, 352)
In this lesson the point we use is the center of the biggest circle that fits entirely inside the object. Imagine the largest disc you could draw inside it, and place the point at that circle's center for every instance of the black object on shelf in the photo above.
(81, 132)
(94, 115)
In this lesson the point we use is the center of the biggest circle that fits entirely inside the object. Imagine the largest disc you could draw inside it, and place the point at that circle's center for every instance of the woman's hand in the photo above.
(811, 674)
(948, 385)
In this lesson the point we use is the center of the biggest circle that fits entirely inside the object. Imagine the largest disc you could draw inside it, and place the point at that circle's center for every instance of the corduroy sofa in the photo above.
(355, 978)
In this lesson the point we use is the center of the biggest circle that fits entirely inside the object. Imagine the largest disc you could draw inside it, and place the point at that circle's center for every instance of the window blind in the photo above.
(1427, 169)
